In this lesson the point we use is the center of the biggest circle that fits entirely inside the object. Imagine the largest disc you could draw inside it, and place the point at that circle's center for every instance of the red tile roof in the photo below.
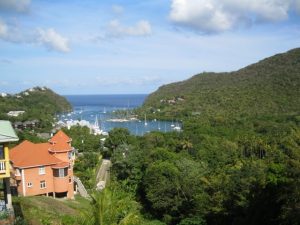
(60, 165)
(60, 142)
(28, 154)
(60, 136)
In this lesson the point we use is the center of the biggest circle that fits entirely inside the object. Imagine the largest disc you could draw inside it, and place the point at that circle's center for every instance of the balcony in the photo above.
(4, 169)
(2, 166)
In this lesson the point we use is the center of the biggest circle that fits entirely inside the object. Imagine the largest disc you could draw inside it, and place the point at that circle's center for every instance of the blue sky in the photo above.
(133, 46)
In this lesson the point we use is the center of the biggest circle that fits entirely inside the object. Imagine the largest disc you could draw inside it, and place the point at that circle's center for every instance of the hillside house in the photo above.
(7, 135)
(44, 168)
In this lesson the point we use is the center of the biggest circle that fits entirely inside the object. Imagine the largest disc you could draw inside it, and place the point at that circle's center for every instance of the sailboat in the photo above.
(177, 127)
(158, 125)
(104, 110)
(96, 127)
(146, 121)
(172, 124)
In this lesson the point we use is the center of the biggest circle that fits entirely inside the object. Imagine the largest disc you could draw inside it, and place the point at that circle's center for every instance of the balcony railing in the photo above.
(2, 166)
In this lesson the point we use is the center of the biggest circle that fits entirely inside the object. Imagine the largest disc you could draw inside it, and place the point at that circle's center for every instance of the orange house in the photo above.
(45, 168)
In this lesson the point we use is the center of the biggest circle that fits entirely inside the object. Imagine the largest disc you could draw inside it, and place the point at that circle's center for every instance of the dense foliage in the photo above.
(38, 103)
(245, 174)
(237, 160)
(270, 86)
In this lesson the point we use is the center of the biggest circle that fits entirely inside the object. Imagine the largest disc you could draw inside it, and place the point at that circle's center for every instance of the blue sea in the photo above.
(102, 108)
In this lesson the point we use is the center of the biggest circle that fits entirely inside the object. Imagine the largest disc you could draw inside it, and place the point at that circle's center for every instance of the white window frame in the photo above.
(42, 170)
(61, 172)
(29, 185)
(43, 184)
(2, 149)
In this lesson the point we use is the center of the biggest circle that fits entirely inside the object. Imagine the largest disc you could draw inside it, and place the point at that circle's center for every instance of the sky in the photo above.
(134, 46)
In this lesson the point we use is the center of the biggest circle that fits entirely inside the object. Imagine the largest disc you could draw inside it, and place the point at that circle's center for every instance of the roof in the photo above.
(60, 136)
(60, 165)
(28, 154)
(7, 133)
(60, 142)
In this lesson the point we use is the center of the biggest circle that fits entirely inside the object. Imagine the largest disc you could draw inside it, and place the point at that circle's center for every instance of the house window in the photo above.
(2, 156)
(70, 179)
(42, 170)
(60, 172)
(29, 184)
(42, 184)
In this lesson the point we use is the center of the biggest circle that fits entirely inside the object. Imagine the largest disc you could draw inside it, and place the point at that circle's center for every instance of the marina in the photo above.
(99, 113)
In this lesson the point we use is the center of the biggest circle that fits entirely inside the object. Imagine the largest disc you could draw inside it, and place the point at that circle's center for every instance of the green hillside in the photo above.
(271, 86)
(39, 103)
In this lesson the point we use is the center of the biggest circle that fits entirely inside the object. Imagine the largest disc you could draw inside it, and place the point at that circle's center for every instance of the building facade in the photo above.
(44, 168)
(7, 135)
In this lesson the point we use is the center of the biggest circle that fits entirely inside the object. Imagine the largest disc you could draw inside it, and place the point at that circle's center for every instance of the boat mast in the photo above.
(146, 121)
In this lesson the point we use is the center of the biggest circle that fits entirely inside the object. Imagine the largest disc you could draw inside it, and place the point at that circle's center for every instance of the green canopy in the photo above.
(7, 133)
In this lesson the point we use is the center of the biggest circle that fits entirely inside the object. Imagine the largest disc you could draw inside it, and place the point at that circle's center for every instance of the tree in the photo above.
(117, 137)
(112, 206)
(162, 184)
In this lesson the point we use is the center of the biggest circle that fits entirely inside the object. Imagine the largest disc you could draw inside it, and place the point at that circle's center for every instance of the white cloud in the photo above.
(14, 5)
(216, 16)
(53, 40)
(48, 38)
(117, 9)
(3, 29)
(116, 29)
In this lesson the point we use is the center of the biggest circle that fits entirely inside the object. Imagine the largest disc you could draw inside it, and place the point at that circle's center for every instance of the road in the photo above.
(103, 174)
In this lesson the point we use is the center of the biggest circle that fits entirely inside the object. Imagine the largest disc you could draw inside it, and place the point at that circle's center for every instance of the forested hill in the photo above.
(271, 86)
(38, 103)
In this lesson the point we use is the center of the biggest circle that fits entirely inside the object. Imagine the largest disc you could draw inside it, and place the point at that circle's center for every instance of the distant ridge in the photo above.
(271, 86)
(38, 103)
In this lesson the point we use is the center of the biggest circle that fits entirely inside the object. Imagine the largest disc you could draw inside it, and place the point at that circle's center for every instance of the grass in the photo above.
(40, 210)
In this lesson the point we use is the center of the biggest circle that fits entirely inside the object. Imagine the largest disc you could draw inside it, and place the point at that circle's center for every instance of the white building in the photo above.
(15, 113)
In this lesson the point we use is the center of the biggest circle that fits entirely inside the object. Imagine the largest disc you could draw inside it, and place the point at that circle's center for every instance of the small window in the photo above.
(42, 184)
(42, 170)
(70, 179)
(63, 172)
(29, 184)
(2, 152)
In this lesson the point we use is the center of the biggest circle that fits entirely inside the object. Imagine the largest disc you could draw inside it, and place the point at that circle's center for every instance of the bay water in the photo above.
(104, 108)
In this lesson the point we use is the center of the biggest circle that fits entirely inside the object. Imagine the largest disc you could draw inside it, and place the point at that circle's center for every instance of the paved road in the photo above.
(103, 174)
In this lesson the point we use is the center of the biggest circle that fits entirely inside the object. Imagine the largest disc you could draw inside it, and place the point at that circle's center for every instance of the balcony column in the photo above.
(7, 164)
(7, 193)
